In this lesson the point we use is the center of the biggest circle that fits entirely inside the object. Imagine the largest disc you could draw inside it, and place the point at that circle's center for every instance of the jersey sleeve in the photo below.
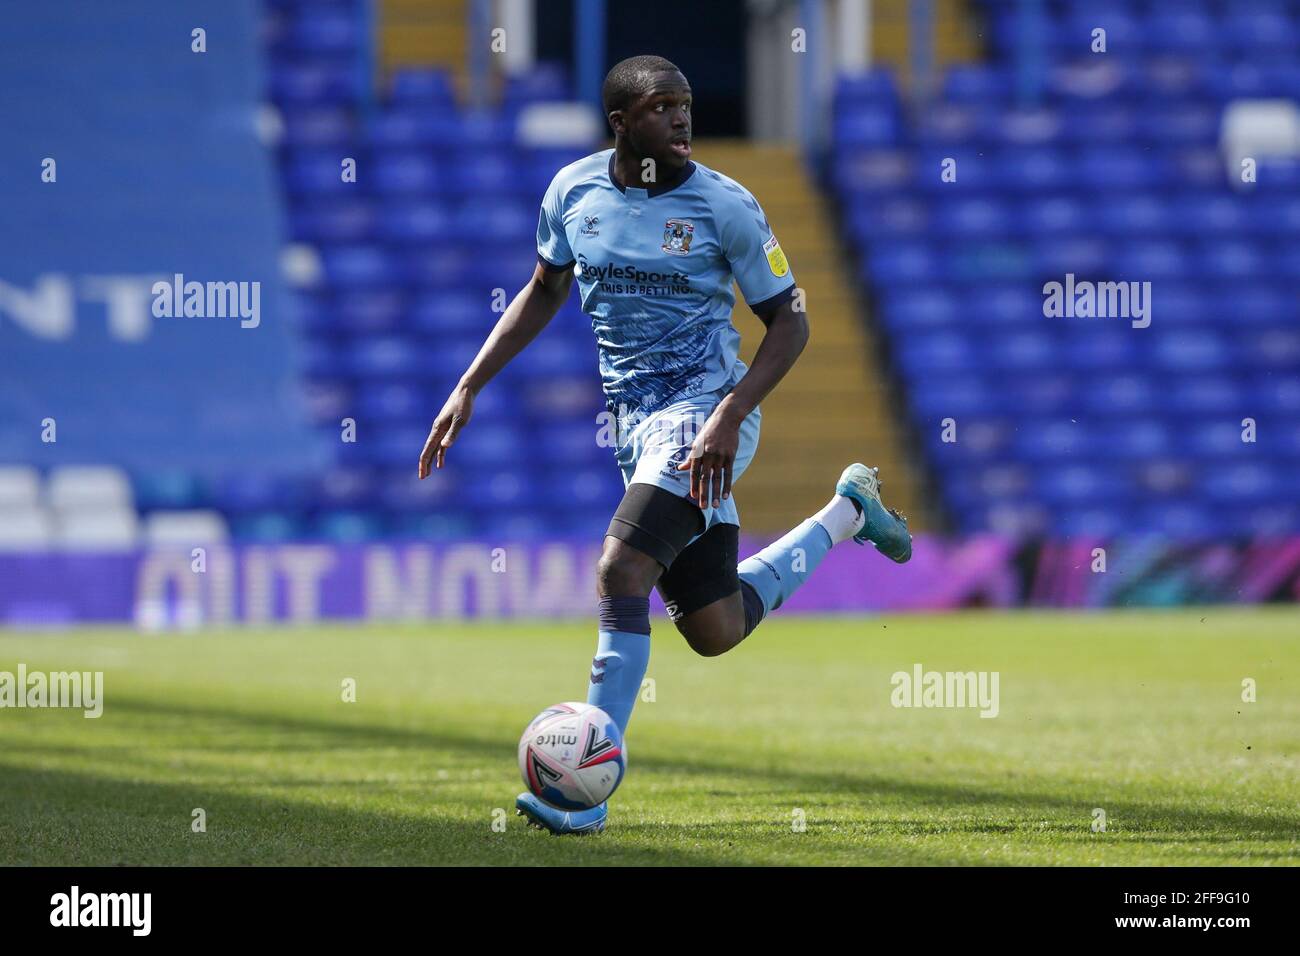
(757, 262)
(552, 244)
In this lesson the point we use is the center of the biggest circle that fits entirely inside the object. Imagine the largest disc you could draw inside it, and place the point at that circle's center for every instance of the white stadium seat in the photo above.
(107, 529)
(20, 487)
(81, 488)
(25, 529)
(185, 528)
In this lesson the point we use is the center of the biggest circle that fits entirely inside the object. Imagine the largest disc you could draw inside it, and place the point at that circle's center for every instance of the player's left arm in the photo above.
(714, 452)
(763, 274)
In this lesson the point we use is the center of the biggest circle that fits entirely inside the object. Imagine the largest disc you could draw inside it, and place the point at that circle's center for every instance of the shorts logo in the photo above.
(678, 234)
(671, 466)
(776, 260)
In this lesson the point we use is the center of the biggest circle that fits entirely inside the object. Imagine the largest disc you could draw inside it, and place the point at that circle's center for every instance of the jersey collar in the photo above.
(682, 174)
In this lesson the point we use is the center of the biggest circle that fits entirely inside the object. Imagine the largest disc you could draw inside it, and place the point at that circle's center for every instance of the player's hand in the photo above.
(712, 456)
(454, 416)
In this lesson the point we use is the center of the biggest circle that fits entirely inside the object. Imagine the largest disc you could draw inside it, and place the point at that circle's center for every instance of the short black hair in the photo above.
(631, 78)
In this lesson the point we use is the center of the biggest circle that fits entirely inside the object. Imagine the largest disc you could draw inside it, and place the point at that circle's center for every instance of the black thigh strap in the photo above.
(656, 522)
(703, 573)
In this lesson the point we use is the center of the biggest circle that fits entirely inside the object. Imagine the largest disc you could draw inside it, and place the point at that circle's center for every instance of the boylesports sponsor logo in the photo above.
(630, 280)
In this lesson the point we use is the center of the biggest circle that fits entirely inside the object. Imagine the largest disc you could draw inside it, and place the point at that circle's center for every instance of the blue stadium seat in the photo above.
(870, 86)
(386, 357)
(319, 126)
(1176, 124)
(977, 83)
(483, 173)
(1202, 395)
(938, 352)
(973, 218)
(1153, 260)
(344, 220)
(1232, 259)
(1081, 485)
(1135, 440)
(1260, 31)
(345, 488)
(1134, 214)
(348, 527)
(871, 172)
(406, 173)
(423, 87)
(546, 81)
(414, 221)
(922, 308)
(1048, 216)
(1103, 123)
(313, 83)
(1181, 31)
(267, 527)
(358, 265)
(325, 31)
(1120, 394)
(402, 401)
(864, 126)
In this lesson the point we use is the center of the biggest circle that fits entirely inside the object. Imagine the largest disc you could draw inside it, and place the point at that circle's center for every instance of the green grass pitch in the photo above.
(1139, 714)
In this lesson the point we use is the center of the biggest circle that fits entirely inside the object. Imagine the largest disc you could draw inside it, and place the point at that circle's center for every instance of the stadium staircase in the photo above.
(956, 35)
(834, 407)
(423, 33)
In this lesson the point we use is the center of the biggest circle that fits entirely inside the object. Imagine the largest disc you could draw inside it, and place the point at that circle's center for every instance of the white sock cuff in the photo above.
(840, 518)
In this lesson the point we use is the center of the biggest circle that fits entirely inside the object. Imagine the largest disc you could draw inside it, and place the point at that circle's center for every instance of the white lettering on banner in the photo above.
(46, 308)
(261, 584)
(47, 312)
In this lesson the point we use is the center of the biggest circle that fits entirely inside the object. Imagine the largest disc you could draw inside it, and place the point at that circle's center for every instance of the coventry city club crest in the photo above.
(678, 234)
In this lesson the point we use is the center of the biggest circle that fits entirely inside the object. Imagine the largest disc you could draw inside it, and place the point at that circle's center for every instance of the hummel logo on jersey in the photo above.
(589, 224)
(678, 234)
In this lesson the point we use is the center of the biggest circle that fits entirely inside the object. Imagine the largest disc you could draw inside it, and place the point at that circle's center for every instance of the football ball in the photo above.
(572, 756)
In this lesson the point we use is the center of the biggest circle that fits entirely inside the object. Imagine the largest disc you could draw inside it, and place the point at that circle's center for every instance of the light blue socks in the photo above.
(778, 570)
(622, 654)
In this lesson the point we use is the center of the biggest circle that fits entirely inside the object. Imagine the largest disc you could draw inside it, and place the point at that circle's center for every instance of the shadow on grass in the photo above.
(57, 818)
(1155, 820)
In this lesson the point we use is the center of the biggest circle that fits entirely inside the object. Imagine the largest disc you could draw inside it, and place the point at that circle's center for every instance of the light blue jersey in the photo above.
(654, 269)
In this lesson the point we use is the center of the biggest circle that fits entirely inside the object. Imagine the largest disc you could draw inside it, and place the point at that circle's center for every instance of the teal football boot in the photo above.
(884, 527)
(543, 816)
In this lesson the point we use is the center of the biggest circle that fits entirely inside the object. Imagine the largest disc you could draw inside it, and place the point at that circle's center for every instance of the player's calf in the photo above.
(715, 628)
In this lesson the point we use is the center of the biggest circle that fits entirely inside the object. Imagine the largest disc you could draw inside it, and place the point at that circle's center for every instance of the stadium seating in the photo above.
(1113, 172)
(441, 217)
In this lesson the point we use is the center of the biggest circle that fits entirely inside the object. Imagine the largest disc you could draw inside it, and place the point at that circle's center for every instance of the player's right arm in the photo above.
(534, 306)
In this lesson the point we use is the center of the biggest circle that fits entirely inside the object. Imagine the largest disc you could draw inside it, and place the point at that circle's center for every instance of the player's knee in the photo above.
(713, 636)
(619, 574)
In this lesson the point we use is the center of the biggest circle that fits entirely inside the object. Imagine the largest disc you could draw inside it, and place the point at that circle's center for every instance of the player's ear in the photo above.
(616, 122)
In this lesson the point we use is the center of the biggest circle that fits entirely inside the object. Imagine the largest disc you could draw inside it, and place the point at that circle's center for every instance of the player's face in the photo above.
(658, 124)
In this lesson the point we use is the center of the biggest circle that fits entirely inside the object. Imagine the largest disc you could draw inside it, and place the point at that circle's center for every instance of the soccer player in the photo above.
(655, 241)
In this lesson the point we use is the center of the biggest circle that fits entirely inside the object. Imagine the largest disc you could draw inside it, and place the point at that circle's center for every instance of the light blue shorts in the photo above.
(654, 448)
